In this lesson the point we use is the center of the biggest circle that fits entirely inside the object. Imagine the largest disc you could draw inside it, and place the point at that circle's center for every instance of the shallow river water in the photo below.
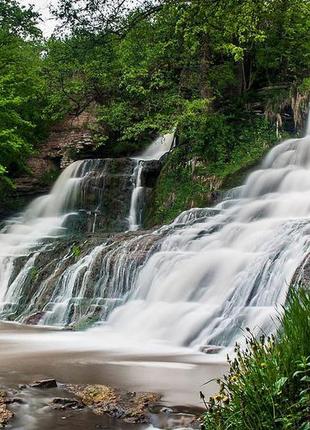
(30, 353)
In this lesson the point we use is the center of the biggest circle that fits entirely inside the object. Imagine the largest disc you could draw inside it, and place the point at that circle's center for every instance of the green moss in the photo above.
(175, 191)
(34, 273)
(76, 251)
(86, 323)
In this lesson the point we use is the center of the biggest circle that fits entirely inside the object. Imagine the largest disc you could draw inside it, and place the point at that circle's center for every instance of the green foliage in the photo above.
(34, 273)
(215, 151)
(103, 16)
(149, 67)
(159, 64)
(208, 135)
(19, 20)
(268, 385)
(177, 189)
(76, 251)
(21, 88)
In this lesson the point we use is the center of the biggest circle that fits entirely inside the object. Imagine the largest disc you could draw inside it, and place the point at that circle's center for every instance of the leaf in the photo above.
(305, 379)
(280, 384)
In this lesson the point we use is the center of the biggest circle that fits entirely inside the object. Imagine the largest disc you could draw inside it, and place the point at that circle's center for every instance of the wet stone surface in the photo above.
(5, 414)
(48, 406)
(131, 407)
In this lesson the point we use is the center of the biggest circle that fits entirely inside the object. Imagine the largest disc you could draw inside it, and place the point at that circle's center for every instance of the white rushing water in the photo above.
(199, 281)
(79, 189)
(228, 268)
(161, 146)
(42, 220)
(136, 204)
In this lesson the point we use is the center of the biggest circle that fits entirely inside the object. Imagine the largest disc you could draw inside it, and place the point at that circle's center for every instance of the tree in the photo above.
(21, 85)
(102, 16)
(19, 20)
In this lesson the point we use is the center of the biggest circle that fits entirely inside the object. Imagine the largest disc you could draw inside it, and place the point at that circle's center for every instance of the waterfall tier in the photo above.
(45, 274)
(200, 280)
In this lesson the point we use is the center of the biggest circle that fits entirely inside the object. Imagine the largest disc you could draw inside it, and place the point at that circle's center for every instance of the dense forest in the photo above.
(230, 76)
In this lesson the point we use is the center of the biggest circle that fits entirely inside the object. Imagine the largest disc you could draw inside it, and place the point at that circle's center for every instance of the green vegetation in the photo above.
(188, 64)
(268, 385)
(195, 173)
(34, 273)
(76, 251)
(21, 87)
(225, 73)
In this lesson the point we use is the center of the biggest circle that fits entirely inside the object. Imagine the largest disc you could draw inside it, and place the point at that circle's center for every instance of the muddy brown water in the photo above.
(30, 353)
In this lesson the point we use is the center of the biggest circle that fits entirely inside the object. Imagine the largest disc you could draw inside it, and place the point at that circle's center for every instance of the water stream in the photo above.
(161, 146)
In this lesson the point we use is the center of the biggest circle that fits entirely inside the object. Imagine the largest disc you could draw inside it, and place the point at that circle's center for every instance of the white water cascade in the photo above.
(161, 146)
(198, 281)
(81, 201)
(135, 212)
(219, 271)
(42, 220)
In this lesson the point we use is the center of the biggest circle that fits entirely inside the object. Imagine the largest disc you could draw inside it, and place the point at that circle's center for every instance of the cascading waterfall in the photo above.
(43, 219)
(155, 151)
(198, 281)
(219, 271)
(136, 204)
(89, 195)
(25, 239)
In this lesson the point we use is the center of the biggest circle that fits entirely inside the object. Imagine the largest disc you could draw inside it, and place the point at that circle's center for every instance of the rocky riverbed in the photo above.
(53, 379)
(46, 401)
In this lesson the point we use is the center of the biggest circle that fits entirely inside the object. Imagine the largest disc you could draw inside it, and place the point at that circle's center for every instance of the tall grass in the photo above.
(268, 384)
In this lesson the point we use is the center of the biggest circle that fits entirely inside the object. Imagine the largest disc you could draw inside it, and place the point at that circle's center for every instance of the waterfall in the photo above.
(220, 270)
(90, 196)
(158, 148)
(198, 281)
(155, 151)
(136, 204)
(43, 218)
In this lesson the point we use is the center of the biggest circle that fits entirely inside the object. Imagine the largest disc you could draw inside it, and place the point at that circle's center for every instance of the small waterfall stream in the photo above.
(136, 204)
(155, 151)
(198, 281)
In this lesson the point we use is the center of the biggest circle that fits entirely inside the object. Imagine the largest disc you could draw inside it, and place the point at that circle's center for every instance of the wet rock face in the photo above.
(60, 403)
(103, 267)
(5, 414)
(130, 407)
(150, 173)
(44, 384)
(302, 274)
(104, 197)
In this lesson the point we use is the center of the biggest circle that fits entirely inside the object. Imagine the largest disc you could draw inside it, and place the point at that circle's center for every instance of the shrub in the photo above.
(268, 385)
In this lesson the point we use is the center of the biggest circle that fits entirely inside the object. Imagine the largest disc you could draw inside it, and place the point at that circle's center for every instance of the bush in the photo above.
(209, 134)
(268, 385)
(225, 149)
